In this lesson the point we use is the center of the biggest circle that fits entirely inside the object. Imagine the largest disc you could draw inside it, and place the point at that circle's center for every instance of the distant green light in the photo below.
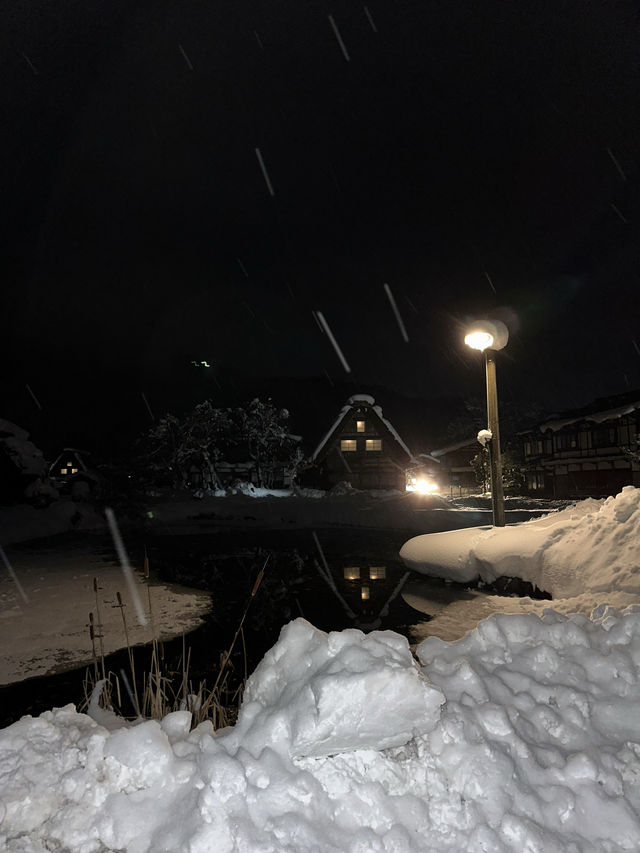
(149, 514)
(201, 364)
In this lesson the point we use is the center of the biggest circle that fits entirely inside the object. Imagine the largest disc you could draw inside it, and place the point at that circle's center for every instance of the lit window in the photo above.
(348, 445)
(364, 593)
(377, 573)
(374, 444)
(69, 464)
(63, 470)
(74, 470)
(359, 426)
(352, 573)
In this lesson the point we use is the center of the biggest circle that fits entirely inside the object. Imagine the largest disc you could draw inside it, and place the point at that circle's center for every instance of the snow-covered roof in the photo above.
(595, 417)
(352, 403)
(442, 451)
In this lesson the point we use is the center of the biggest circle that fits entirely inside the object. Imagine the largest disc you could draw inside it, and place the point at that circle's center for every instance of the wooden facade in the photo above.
(361, 448)
(587, 452)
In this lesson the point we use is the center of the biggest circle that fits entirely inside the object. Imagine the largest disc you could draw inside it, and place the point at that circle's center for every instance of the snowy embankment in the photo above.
(523, 736)
(582, 555)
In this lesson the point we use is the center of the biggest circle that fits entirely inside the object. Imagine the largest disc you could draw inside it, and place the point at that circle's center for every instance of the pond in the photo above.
(334, 578)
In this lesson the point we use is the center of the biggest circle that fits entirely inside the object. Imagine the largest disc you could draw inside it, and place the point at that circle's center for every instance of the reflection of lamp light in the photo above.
(364, 593)
(352, 573)
(377, 573)
(489, 336)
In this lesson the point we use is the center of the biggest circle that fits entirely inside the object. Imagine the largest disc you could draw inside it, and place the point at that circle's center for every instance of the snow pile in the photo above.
(536, 748)
(319, 694)
(589, 548)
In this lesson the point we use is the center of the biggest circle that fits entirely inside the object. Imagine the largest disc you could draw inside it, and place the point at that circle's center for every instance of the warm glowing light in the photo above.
(377, 573)
(423, 487)
(352, 573)
(479, 340)
(364, 593)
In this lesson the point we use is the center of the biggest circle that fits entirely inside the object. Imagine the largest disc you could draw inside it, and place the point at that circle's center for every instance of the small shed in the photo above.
(363, 448)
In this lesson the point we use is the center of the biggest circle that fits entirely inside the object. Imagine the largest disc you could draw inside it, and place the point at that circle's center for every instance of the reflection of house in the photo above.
(584, 452)
(451, 466)
(363, 448)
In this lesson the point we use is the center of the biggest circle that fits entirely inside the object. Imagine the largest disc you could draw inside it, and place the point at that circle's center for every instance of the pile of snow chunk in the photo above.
(325, 693)
(587, 548)
(536, 748)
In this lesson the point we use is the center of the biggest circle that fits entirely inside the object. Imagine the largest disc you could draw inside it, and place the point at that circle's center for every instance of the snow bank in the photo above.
(591, 547)
(325, 693)
(536, 748)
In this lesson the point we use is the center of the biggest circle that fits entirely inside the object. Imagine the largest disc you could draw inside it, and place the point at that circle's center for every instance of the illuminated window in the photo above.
(377, 573)
(348, 445)
(360, 426)
(364, 593)
(69, 464)
(63, 470)
(374, 444)
(74, 470)
(352, 573)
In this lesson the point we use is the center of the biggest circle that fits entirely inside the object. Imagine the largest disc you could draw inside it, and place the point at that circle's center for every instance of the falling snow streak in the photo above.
(146, 402)
(339, 38)
(255, 32)
(403, 331)
(347, 467)
(242, 267)
(13, 575)
(186, 58)
(264, 171)
(370, 19)
(126, 567)
(334, 343)
(616, 210)
(411, 305)
(616, 164)
(315, 317)
(330, 380)
(33, 397)
(635, 346)
(29, 63)
(488, 278)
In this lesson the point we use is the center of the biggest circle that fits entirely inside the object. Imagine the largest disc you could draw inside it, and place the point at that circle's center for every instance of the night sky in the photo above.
(481, 158)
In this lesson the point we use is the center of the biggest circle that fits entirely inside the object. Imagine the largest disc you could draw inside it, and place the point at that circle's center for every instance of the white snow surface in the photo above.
(522, 736)
(484, 436)
(588, 548)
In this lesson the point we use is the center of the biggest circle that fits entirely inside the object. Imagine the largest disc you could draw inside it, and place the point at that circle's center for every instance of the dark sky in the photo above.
(479, 157)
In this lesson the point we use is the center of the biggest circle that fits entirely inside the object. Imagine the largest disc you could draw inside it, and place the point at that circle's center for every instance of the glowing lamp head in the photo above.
(478, 340)
(487, 334)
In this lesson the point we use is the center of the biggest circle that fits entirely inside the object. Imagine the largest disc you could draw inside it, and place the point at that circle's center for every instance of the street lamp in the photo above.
(489, 336)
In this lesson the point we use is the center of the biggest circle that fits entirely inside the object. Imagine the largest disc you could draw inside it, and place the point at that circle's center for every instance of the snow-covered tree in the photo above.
(198, 440)
(263, 427)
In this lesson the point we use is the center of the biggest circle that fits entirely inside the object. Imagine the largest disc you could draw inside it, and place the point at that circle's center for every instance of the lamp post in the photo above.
(489, 336)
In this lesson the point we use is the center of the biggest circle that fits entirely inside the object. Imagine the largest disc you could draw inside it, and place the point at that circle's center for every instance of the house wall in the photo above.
(364, 469)
(583, 459)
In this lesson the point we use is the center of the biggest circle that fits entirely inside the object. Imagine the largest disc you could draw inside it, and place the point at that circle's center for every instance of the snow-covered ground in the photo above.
(522, 736)
(582, 555)
(44, 618)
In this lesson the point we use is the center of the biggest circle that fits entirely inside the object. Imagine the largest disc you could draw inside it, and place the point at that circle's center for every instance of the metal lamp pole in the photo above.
(489, 336)
(495, 457)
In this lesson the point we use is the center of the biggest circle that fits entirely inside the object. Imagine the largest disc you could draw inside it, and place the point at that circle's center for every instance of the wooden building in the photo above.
(585, 452)
(451, 467)
(362, 448)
